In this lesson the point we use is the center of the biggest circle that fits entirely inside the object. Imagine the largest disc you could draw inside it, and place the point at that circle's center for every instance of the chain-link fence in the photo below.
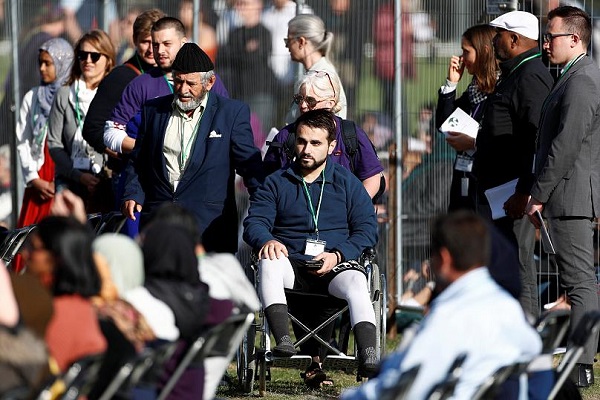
(393, 102)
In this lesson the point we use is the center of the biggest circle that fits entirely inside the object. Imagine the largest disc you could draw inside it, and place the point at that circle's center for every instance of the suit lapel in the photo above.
(199, 149)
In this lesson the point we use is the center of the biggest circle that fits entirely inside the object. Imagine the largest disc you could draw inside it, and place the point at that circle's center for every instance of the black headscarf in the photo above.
(171, 269)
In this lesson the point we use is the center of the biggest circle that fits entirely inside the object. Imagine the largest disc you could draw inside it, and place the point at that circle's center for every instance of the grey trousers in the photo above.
(574, 245)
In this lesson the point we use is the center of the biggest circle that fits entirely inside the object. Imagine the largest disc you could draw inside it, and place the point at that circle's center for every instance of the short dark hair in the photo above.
(465, 235)
(320, 118)
(575, 20)
(167, 23)
(70, 242)
(144, 22)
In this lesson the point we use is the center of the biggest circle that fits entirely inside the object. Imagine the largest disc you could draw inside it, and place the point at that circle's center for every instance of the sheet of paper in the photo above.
(460, 121)
(546, 242)
(274, 131)
(498, 195)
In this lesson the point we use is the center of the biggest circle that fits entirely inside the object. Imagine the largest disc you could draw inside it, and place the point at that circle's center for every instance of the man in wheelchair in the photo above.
(309, 224)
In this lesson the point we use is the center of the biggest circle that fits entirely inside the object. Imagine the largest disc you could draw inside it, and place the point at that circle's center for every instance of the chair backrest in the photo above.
(587, 327)
(552, 327)
(216, 341)
(74, 379)
(445, 389)
(13, 242)
(145, 366)
(111, 222)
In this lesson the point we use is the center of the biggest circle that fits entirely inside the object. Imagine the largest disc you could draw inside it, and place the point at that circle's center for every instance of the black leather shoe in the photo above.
(583, 375)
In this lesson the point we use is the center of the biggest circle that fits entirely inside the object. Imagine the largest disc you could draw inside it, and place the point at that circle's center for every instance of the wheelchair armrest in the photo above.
(368, 254)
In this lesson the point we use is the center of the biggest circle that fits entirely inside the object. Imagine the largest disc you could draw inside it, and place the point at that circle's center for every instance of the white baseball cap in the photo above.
(521, 22)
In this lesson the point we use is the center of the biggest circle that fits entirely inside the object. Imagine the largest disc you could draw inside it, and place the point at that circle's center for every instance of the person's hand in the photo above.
(532, 206)
(89, 181)
(329, 261)
(129, 208)
(460, 141)
(272, 250)
(67, 203)
(456, 67)
(111, 153)
(43, 188)
(515, 205)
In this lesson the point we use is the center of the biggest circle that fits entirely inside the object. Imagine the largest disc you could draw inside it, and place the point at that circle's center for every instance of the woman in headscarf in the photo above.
(55, 60)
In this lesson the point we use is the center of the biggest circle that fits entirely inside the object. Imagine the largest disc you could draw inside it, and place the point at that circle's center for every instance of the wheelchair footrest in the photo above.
(297, 362)
(343, 363)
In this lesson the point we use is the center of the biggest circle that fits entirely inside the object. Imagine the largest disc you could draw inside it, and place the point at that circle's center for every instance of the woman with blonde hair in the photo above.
(309, 42)
(479, 60)
(78, 165)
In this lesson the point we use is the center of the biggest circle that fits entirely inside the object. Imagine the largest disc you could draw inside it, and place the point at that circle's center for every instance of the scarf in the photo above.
(61, 53)
(476, 96)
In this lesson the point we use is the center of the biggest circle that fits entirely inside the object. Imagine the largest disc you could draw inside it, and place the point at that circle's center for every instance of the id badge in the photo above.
(463, 163)
(82, 163)
(314, 247)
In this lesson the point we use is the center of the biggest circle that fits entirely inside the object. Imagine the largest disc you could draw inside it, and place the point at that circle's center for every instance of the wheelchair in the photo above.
(255, 359)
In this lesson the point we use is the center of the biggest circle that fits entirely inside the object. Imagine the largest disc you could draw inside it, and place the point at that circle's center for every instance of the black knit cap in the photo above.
(191, 58)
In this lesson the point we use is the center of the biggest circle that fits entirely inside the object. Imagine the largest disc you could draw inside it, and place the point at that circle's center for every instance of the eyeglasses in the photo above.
(287, 41)
(310, 101)
(83, 55)
(548, 37)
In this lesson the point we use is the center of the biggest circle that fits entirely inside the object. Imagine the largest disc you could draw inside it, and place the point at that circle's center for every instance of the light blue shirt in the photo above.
(473, 315)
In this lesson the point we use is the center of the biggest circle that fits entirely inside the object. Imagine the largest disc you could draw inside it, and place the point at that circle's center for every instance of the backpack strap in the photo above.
(133, 67)
(350, 140)
(290, 143)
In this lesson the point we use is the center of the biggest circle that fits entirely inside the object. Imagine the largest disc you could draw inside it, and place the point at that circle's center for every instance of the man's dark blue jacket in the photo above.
(223, 146)
(280, 211)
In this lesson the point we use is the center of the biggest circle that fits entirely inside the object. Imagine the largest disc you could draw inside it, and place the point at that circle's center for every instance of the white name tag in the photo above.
(314, 247)
(464, 164)
(82, 163)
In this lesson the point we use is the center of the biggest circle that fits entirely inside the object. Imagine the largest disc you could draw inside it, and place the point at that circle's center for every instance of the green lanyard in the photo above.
(563, 73)
(185, 147)
(168, 83)
(77, 109)
(137, 58)
(314, 215)
(523, 61)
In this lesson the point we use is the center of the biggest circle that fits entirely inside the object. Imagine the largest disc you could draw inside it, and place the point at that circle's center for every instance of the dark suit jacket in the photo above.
(567, 165)
(223, 145)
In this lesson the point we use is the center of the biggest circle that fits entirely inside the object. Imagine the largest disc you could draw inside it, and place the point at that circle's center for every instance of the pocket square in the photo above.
(214, 134)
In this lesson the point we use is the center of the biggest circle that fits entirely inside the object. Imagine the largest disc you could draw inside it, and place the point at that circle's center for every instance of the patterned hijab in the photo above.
(62, 55)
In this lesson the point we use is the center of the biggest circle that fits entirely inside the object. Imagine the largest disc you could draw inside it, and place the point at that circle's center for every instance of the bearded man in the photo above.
(189, 147)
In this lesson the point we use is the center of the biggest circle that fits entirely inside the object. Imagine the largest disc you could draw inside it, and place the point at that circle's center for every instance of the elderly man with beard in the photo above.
(189, 147)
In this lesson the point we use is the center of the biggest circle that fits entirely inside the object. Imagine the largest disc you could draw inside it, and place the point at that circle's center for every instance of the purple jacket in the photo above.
(366, 162)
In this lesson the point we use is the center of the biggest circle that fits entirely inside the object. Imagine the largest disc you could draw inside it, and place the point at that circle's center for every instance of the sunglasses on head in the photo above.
(83, 55)
(320, 74)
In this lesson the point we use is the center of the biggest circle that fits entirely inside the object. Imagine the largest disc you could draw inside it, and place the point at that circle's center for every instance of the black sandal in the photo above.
(315, 377)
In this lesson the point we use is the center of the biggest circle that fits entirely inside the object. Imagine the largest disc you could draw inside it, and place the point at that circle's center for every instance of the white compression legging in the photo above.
(350, 285)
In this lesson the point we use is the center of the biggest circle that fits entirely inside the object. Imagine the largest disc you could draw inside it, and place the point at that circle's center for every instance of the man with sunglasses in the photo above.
(567, 161)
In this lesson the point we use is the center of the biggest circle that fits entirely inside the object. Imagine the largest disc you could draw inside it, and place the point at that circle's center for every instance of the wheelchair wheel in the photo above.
(379, 300)
(246, 360)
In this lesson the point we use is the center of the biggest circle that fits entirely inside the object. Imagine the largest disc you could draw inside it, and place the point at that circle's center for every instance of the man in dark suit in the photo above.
(567, 166)
(189, 147)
